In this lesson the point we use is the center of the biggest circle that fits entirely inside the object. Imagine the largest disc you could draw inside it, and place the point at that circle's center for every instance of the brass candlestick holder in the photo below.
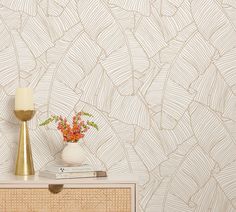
(24, 161)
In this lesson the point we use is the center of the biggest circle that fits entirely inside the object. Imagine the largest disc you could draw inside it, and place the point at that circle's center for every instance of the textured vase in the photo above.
(73, 154)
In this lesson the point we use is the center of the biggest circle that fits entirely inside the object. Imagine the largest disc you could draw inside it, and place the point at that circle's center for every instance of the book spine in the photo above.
(71, 169)
(82, 174)
(77, 175)
(73, 175)
(101, 174)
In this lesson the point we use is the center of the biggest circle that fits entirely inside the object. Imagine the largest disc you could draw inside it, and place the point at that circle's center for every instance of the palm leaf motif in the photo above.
(153, 153)
(175, 19)
(149, 202)
(156, 196)
(7, 107)
(131, 110)
(125, 18)
(55, 7)
(180, 179)
(168, 167)
(58, 97)
(170, 7)
(206, 12)
(42, 154)
(119, 45)
(225, 179)
(229, 111)
(162, 96)
(6, 155)
(171, 85)
(149, 35)
(36, 35)
(219, 142)
(73, 58)
(212, 196)
(58, 17)
(168, 54)
(216, 87)
(212, 90)
(135, 165)
(183, 179)
(172, 139)
(12, 19)
(125, 131)
(225, 66)
(142, 7)
(15, 58)
(28, 7)
(96, 88)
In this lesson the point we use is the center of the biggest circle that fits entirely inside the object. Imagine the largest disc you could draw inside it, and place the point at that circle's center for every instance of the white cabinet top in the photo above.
(11, 180)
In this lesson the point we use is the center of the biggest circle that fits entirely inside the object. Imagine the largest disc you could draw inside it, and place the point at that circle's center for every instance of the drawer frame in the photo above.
(16, 182)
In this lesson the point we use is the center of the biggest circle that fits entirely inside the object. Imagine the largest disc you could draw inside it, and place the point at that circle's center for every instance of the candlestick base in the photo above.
(24, 162)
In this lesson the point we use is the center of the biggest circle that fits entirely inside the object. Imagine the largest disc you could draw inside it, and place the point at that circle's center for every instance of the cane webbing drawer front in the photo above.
(68, 200)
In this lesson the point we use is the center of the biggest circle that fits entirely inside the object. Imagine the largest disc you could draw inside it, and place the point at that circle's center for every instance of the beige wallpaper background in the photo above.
(159, 77)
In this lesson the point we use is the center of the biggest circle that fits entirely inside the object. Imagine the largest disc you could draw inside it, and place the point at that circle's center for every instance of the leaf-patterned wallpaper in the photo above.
(159, 76)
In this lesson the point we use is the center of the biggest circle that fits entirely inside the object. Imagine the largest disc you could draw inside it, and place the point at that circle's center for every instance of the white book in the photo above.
(71, 175)
(68, 169)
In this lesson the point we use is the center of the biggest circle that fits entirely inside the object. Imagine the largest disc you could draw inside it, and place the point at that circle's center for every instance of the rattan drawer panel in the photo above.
(68, 200)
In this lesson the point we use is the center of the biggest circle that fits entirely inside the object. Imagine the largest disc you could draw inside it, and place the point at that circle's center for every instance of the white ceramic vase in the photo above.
(73, 153)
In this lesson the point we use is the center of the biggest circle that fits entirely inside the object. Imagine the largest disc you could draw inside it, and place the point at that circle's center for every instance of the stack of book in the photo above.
(70, 172)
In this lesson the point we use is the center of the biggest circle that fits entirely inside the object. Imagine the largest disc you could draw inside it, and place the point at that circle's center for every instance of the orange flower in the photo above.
(76, 131)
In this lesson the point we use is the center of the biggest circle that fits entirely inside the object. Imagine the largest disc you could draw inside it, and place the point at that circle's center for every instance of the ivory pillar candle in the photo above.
(24, 99)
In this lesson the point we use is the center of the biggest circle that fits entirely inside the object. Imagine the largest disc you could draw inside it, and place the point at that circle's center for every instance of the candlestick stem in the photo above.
(24, 161)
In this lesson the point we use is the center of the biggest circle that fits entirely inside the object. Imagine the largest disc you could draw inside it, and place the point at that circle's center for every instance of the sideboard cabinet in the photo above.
(37, 194)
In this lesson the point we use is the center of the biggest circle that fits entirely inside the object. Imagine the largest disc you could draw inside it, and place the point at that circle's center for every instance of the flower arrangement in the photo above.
(76, 131)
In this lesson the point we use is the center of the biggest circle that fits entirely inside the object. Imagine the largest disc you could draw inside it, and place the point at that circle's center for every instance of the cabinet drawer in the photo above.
(68, 200)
